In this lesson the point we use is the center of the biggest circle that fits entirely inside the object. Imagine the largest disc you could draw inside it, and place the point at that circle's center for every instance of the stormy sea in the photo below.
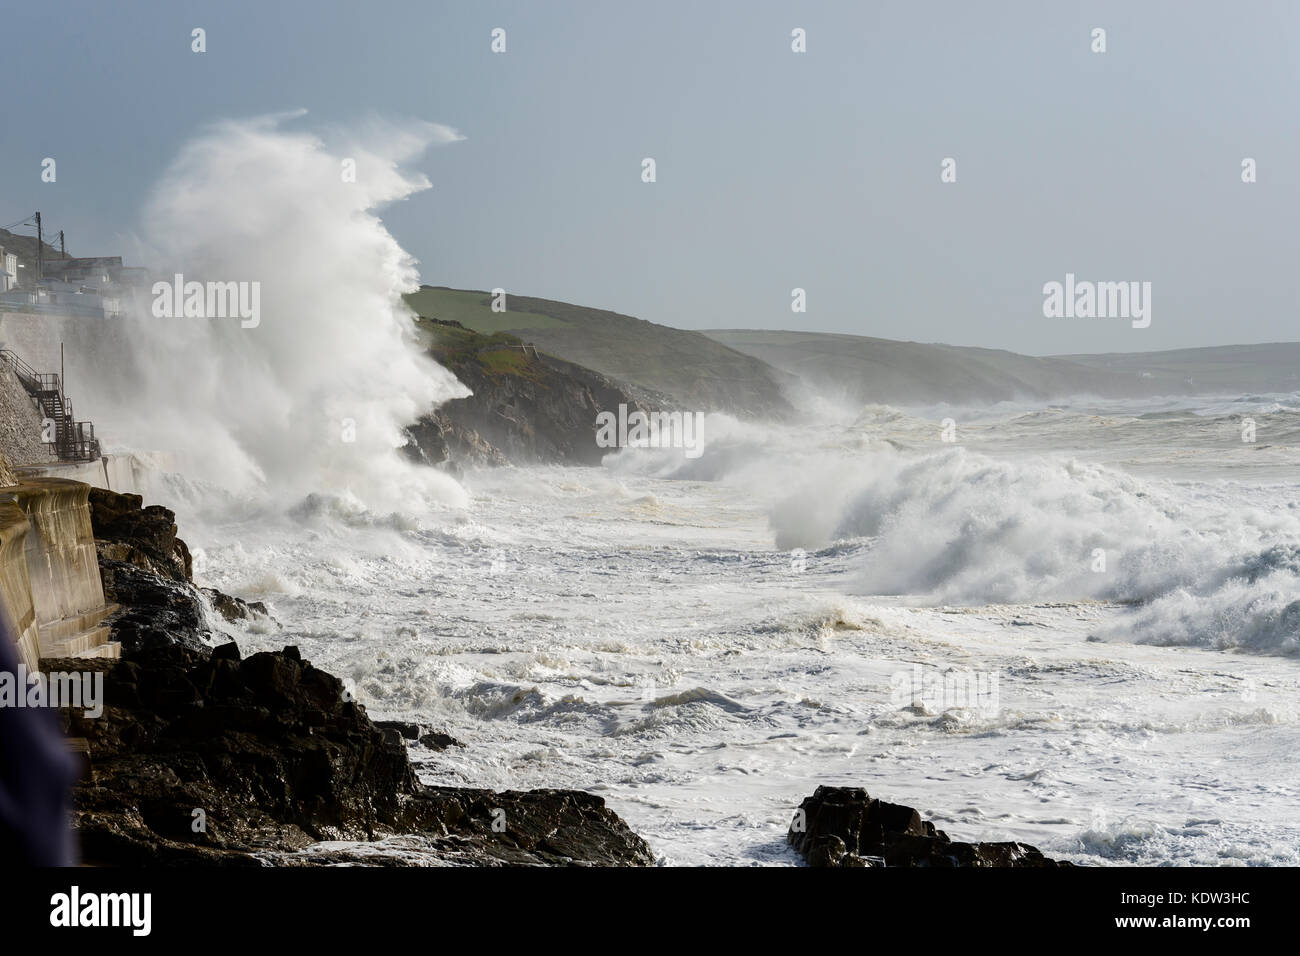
(1069, 623)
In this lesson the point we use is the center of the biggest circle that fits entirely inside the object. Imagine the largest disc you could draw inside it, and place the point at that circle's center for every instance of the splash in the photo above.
(1199, 563)
(314, 397)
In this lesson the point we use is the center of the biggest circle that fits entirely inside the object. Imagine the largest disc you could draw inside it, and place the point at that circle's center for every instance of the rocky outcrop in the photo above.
(527, 406)
(844, 826)
(207, 758)
(154, 610)
(405, 730)
(233, 608)
(437, 439)
(694, 371)
(147, 570)
(127, 531)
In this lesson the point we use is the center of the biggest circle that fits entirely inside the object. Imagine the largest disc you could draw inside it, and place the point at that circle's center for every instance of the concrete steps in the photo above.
(110, 650)
(81, 635)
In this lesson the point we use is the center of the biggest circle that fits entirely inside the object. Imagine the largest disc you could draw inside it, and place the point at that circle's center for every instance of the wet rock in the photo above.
(404, 729)
(844, 826)
(233, 608)
(147, 570)
(126, 531)
(203, 756)
(526, 407)
(439, 741)
(450, 445)
(407, 732)
(156, 610)
(207, 758)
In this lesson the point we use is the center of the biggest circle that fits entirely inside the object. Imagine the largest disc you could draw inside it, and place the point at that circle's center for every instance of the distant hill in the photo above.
(757, 374)
(1271, 367)
(695, 371)
(855, 368)
(527, 406)
(24, 247)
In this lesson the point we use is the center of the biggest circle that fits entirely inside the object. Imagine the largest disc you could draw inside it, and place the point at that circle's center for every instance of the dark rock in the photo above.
(404, 729)
(274, 756)
(439, 741)
(147, 570)
(526, 407)
(827, 852)
(156, 610)
(146, 537)
(233, 608)
(844, 826)
(438, 440)
(202, 756)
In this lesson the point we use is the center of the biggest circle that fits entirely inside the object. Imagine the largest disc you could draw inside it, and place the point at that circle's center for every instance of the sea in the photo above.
(1073, 624)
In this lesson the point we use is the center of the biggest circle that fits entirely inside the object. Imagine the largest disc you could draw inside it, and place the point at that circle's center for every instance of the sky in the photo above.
(775, 170)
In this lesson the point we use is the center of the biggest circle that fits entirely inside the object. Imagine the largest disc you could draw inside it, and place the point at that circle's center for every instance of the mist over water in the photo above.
(313, 399)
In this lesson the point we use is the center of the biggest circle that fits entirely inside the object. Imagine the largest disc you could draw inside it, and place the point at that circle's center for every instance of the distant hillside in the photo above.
(24, 247)
(856, 368)
(527, 406)
(755, 373)
(695, 371)
(1271, 367)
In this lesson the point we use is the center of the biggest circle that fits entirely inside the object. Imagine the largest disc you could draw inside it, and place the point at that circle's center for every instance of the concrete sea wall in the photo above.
(125, 474)
(49, 571)
(15, 584)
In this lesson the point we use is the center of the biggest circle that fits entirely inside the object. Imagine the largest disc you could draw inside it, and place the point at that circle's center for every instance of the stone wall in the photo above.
(15, 584)
(54, 562)
(20, 422)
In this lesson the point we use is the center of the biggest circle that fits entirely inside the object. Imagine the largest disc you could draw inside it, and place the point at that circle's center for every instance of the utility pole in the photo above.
(40, 244)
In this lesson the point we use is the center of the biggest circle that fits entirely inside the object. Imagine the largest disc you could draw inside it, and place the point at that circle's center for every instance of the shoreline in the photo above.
(206, 757)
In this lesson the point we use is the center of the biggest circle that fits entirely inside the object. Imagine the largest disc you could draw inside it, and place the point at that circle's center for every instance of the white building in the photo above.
(8, 270)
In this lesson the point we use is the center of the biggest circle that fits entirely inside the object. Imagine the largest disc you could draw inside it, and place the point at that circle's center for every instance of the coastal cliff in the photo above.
(694, 371)
(527, 407)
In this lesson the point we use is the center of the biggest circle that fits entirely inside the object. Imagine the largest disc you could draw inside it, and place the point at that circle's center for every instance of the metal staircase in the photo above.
(71, 440)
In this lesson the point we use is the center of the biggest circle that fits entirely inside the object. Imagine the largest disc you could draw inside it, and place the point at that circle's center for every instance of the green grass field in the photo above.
(474, 311)
(694, 370)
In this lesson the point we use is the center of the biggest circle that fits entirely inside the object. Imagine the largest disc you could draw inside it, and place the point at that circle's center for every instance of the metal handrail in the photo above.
(73, 440)
(21, 368)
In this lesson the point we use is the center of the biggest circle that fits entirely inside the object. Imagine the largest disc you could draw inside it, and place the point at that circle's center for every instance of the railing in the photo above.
(73, 440)
(26, 374)
(76, 442)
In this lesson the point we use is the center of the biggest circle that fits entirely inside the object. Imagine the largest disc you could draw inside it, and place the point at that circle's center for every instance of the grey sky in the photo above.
(775, 169)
